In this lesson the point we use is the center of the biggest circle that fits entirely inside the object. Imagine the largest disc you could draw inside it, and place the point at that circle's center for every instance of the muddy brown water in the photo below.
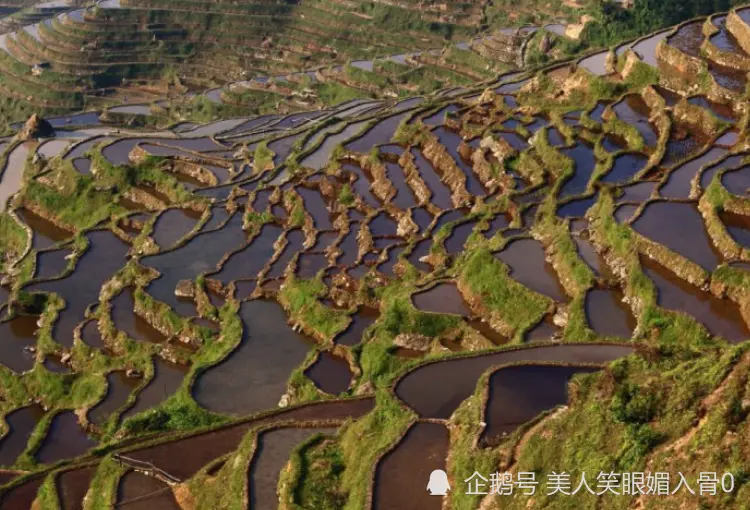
(18, 334)
(451, 141)
(330, 373)
(737, 181)
(21, 424)
(381, 133)
(402, 475)
(295, 239)
(459, 235)
(65, 439)
(720, 316)
(173, 225)
(21, 497)
(142, 492)
(435, 390)
(442, 298)
(585, 162)
(316, 207)
(525, 257)
(608, 315)
(104, 256)
(404, 197)
(72, 487)
(201, 254)
(441, 194)
(125, 319)
(7, 476)
(254, 375)
(184, 457)
(625, 168)
(272, 454)
(166, 381)
(46, 233)
(51, 263)
(119, 388)
(679, 227)
(363, 319)
(488, 332)
(518, 394)
(738, 226)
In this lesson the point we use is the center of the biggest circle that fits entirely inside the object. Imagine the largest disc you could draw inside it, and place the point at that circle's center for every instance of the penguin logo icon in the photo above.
(438, 485)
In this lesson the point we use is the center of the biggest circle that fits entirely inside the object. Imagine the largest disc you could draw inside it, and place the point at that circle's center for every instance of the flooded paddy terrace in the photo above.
(308, 270)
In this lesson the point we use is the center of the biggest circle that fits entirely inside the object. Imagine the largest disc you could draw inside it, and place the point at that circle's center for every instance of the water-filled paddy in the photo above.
(330, 373)
(437, 389)
(255, 373)
(104, 256)
(528, 266)
(442, 298)
(720, 316)
(679, 227)
(519, 393)
(422, 450)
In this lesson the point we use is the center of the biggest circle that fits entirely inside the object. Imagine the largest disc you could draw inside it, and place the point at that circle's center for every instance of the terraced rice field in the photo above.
(209, 302)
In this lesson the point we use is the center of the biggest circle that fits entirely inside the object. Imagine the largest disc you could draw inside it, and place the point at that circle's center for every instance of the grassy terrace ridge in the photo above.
(198, 296)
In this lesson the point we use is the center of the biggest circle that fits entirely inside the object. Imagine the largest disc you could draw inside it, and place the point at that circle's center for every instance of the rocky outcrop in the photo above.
(413, 341)
(35, 127)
